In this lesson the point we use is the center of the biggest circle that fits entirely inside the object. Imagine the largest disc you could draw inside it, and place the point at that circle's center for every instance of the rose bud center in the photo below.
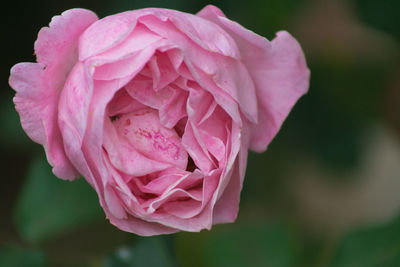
(143, 130)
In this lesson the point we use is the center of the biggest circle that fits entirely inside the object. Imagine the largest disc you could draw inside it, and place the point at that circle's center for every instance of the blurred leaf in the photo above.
(383, 14)
(265, 17)
(15, 257)
(237, 246)
(123, 5)
(149, 251)
(372, 246)
(11, 134)
(48, 206)
(330, 121)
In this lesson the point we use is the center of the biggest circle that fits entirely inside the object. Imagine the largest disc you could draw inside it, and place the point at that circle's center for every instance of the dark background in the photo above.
(325, 193)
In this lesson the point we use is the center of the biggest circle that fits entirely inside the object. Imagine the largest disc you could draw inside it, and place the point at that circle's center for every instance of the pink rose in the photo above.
(157, 109)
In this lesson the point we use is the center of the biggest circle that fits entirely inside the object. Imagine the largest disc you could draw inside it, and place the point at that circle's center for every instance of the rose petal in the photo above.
(163, 73)
(38, 85)
(141, 89)
(227, 195)
(57, 45)
(278, 69)
(124, 67)
(139, 225)
(105, 34)
(125, 158)
(206, 35)
(174, 109)
(123, 103)
(143, 131)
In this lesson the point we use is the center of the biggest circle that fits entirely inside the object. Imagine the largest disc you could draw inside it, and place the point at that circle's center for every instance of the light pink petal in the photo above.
(226, 78)
(183, 209)
(123, 103)
(201, 217)
(175, 194)
(227, 195)
(57, 45)
(125, 67)
(197, 151)
(140, 38)
(165, 179)
(227, 206)
(139, 225)
(216, 123)
(37, 113)
(125, 158)
(114, 203)
(38, 85)
(141, 89)
(194, 29)
(213, 132)
(117, 180)
(143, 131)
(222, 98)
(82, 114)
(105, 34)
(75, 99)
(282, 78)
(215, 146)
(80, 119)
(163, 73)
(278, 69)
(174, 109)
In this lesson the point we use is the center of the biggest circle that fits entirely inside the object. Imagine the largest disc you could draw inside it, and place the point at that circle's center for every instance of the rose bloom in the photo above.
(157, 109)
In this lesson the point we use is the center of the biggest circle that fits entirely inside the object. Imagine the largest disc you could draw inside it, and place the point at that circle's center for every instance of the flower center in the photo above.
(144, 132)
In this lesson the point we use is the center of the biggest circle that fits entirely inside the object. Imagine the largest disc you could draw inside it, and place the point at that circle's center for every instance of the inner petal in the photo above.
(143, 130)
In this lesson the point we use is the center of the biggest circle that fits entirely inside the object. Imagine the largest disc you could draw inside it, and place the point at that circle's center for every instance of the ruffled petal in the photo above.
(106, 33)
(125, 158)
(38, 85)
(196, 30)
(278, 69)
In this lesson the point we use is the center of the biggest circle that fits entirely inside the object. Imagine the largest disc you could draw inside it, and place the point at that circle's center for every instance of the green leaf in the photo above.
(15, 257)
(370, 246)
(48, 206)
(149, 251)
(237, 246)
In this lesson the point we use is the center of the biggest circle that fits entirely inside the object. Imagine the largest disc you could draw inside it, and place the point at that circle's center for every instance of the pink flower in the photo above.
(157, 109)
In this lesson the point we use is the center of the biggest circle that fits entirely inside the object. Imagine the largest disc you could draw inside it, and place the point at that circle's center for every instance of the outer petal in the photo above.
(38, 84)
(278, 69)
(227, 203)
(106, 33)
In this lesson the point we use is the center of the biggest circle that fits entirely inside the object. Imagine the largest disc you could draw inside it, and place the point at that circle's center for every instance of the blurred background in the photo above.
(325, 193)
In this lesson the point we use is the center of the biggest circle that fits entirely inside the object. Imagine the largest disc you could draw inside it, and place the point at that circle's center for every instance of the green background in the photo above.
(325, 193)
